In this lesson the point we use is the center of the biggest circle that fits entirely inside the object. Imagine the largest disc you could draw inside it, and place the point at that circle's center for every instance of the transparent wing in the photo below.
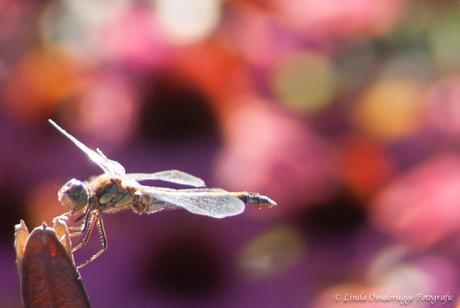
(213, 202)
(109, 166)
(173, 176)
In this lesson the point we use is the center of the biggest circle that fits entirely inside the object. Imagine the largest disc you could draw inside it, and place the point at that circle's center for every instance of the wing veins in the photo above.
(212, 202)
(173, 176)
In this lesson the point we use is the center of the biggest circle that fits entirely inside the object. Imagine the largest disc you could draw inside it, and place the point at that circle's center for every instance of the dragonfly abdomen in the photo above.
(146, 204)
(250, 198)
(141, 202)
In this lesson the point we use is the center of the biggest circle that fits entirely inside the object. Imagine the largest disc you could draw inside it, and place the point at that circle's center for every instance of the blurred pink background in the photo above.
(345, 112)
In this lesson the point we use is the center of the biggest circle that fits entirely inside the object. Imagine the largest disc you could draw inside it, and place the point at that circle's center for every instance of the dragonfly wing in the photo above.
(109, 166)
(213, 202)
(173, 176)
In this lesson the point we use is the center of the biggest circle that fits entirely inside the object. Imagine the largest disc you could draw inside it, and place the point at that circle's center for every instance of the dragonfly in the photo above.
(116, 190)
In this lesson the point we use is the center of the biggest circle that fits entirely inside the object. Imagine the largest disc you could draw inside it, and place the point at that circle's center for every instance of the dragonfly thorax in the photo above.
(74, 195)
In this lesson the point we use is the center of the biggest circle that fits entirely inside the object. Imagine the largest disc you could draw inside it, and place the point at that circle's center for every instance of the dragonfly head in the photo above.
(74, 195)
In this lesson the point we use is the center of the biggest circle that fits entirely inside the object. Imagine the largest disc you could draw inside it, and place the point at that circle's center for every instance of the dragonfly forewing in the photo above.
(109, 166)
(173, 176)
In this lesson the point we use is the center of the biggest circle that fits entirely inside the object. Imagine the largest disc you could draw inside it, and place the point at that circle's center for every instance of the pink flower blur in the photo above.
(443, 109)
(338, 17)
(422, 207)
(136, 39)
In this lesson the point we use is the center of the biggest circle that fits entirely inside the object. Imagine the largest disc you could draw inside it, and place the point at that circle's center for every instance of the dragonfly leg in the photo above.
(86, 228)
(100, 227)
(79, 217)
(80, 229)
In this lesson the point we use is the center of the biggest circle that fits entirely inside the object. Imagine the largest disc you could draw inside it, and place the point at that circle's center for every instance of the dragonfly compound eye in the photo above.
(74, 195)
